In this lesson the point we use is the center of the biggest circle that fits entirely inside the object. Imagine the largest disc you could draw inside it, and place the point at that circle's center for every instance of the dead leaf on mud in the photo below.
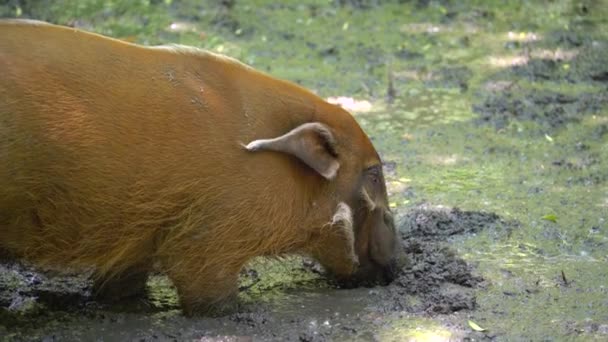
(475, 326)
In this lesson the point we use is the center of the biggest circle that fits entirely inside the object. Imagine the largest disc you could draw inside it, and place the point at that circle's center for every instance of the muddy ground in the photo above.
(434, 281)
(492, 121)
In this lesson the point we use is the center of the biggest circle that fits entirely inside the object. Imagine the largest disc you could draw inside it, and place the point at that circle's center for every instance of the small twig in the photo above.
(390, 91)
(564, 278)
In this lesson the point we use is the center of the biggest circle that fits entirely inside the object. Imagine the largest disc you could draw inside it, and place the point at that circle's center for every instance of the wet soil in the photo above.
(434, 280)
(547, 108)
(442, 281)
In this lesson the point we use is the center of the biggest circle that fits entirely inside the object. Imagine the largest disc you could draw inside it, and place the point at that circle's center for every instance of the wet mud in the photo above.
(22, 288)
(589, 65)
(556, 62)
(547, 108)
(442, 280)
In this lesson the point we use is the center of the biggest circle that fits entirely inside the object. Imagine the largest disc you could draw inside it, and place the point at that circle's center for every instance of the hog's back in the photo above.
(105, 146)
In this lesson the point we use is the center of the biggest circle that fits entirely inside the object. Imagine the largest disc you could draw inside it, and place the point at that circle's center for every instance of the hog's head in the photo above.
(358, 242)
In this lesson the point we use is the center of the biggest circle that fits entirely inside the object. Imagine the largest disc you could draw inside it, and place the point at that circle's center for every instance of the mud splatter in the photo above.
(441, 280)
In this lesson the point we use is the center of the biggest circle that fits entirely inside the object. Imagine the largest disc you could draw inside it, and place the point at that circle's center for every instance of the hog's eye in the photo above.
(373, 174)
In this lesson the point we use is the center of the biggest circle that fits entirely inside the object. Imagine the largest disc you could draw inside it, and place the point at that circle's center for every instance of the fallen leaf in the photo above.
(475, 327)
(550, 217)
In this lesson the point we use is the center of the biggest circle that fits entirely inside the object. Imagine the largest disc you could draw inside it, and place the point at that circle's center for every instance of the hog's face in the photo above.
(369, 255)
(358, 244)
(374, 227)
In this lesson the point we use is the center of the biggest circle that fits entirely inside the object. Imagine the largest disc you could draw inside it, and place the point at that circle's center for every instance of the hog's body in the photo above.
(114, 156)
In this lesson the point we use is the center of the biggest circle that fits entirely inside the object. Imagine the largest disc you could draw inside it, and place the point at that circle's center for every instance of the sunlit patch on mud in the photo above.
(555, 55)
(507, 61)
(523, 36)
(419, 330)
(182, 26)
(445, 160)
(351, 104)
(422, 28)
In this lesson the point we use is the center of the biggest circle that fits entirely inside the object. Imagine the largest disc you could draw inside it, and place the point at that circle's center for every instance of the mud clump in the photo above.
(430, 223)
(434, 275)
(23, 289)
(547, 108)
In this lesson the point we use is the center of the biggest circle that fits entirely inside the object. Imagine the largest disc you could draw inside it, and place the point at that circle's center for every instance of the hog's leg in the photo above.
(206, 289)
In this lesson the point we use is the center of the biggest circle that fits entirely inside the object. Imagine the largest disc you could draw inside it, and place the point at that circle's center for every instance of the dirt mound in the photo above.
(435, 279)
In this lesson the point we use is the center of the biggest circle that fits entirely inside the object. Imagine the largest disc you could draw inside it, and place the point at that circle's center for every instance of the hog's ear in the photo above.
(313, 143)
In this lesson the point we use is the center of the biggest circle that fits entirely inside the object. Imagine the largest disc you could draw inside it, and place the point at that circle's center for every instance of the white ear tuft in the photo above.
(256, 144)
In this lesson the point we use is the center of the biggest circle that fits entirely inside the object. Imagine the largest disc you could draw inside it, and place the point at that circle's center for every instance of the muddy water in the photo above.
(492, 121)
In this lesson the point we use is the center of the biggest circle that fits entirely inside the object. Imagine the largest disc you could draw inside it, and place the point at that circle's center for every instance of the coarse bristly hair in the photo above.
(115, 157)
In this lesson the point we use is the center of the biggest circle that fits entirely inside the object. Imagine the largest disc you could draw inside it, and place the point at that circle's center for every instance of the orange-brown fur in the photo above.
(114, 156)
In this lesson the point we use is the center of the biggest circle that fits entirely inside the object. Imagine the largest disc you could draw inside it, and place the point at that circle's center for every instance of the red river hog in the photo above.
(115, 157)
